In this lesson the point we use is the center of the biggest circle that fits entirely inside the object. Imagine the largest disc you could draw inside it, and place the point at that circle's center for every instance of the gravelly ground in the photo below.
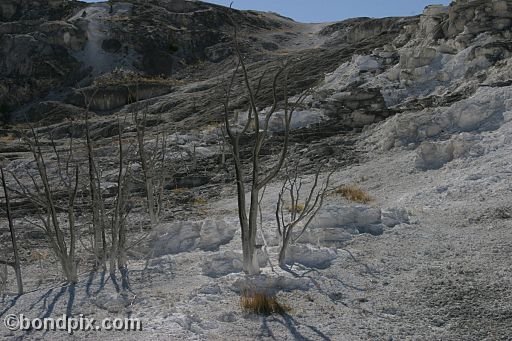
(445, 276)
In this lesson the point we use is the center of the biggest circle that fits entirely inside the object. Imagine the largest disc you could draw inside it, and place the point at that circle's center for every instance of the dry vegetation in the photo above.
(298, 208)
(262, 303)
(354, 193)
(7, 138)
(199, 201)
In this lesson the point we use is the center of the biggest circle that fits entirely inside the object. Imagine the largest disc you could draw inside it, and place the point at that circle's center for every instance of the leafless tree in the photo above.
(17, 266)
(118, 258)
(153, 164)
(43, 196)
(292, 210)
(258, 131)
(99, 242)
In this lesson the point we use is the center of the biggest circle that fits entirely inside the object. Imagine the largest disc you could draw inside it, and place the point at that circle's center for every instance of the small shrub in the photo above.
(180, 190)
(354, 193)
(295, 208)
(7, 138)
(262, 304)
(200, 201)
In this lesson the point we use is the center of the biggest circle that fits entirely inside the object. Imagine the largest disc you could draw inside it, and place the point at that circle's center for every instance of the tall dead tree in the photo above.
(257, 130)
(99, 243)
(118, 257)
(17, 266)
(153, 164)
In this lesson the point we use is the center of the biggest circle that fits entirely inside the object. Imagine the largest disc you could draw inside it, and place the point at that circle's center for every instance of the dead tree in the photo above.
(43, 198)
(99, 243)
(118, 257)
(258, 132)
(17, 266)
(153, 168)
(292, 210)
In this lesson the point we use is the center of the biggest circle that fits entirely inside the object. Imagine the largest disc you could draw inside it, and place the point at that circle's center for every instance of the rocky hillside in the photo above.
(415, 110)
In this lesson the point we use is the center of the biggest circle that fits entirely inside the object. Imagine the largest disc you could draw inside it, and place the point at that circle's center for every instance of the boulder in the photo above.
(185, 236)
(319, 258)
(176, 237)
(394, 216)
(336, 224)
(222, 264)
(226, 262)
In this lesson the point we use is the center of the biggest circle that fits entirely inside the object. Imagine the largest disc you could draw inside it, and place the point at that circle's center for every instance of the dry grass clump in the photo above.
(262, 303)
(200, 201)
(7, 138)
(179, 190)
(354, 193)
(295, 208)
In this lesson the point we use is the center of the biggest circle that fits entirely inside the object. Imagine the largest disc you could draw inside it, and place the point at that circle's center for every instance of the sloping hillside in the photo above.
(414, 111)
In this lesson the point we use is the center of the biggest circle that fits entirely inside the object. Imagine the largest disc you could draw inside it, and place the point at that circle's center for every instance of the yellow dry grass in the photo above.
(262, 303)
(179, 190)
(295, 208)
(200, 201)
(354, 193)
(7, 138)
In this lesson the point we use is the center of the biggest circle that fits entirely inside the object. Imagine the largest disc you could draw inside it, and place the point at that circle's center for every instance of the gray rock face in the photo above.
(37, 58)
(359, 29)
(58, 43)
(108, 96)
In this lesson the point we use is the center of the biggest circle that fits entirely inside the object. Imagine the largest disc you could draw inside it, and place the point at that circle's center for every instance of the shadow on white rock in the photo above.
(335, 224)
(271, 284)
(226, 262)
(185, 236)
(434, 155)
(319, 258)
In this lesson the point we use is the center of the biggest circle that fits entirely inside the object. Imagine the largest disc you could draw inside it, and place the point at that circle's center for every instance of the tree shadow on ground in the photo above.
(293, 326)
(71, 299)
(10, 305)
(316, 276)
(56, 298)
(266, 331)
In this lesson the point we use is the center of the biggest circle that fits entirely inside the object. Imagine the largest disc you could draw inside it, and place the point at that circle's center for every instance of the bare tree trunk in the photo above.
(118, 259)
(98, 219)
(116, 219)
(99, 246)
(251, 263)
(17, 266)
(147, 170)
(285, 242)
